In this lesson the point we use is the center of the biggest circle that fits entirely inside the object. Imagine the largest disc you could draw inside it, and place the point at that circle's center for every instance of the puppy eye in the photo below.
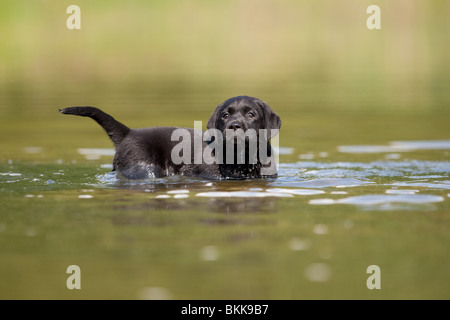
(225, 115)
(251, 114)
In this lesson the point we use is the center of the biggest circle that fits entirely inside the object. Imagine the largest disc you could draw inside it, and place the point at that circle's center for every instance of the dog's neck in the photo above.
(238, 170)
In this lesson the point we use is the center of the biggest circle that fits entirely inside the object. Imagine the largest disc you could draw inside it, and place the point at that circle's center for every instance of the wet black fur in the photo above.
(146, 152)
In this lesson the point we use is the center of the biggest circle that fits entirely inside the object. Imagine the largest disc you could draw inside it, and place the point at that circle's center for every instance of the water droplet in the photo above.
(85, 196)
(399, 191)
(154, 293)
(32, 150)
(285, 150)
(318, 272)
(97, 151)
(241, 194)
(178, 191)
(162, 196)
(307, 156)
(298, 244)
(30, 232)
(320, 229)
(181, 196)
(209, 253)
(304, 192)
(322, 201)
(392, 156)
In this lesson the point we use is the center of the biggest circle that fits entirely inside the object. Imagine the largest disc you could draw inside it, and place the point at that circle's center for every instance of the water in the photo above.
(405, 182)
(349, 195)
(311, 232)
(364, 158)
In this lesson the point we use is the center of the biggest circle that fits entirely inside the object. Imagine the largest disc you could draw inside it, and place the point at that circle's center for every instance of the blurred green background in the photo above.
(232, 40)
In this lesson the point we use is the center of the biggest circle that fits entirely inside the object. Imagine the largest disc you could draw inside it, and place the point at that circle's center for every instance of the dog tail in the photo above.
(115, 130)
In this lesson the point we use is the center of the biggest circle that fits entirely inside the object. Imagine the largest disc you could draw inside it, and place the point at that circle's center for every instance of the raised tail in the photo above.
(115, 130)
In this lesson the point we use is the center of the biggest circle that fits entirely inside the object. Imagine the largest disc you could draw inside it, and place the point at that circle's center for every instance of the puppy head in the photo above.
(243, 112)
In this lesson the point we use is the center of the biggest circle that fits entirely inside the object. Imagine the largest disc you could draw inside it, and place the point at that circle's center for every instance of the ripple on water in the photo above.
(241, 194)
(398, 146)
(378, 199)
(307, 178)
(362, 170)
(401, 191)
(303, 192)
(432, 185)
(321, 183)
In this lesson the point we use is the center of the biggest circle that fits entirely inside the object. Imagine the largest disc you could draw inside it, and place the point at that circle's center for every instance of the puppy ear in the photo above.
(212, 122)
(272, 121)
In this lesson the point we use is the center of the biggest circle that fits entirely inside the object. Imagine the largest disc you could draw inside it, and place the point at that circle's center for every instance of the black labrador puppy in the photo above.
(235, 146)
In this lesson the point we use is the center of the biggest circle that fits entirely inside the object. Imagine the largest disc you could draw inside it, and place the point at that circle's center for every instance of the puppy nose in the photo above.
(235, 125)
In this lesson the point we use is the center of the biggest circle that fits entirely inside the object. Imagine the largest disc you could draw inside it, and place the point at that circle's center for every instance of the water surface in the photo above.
(342, 202)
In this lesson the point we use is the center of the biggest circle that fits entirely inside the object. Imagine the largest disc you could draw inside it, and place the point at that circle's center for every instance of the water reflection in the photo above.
(186, 193)
(216, 205)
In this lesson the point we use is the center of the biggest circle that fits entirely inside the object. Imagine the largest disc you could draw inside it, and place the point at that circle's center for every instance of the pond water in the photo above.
(356, 187)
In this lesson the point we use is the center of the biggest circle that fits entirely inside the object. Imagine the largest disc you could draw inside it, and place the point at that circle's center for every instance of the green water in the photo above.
(364, 175)
(133, 240)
